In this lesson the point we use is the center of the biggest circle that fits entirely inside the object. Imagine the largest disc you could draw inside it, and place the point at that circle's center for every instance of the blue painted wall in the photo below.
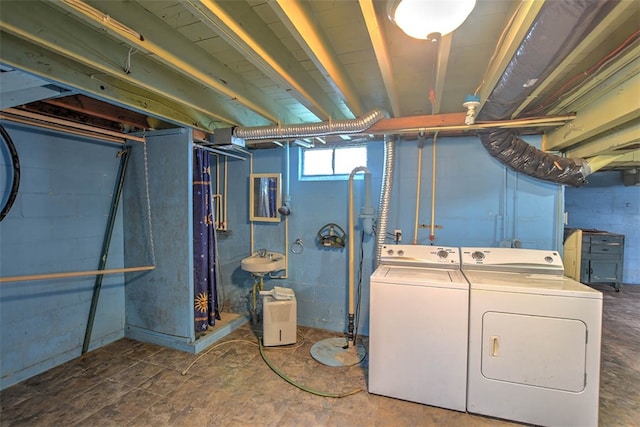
(159, 303)
(57, 224)
(605, 204)
(478, 203)
(59, 217)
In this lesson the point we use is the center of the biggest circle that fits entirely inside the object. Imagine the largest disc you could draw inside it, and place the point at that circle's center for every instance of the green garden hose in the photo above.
(300, 386)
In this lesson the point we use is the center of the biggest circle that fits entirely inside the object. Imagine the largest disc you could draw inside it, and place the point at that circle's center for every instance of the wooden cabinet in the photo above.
(600, 255)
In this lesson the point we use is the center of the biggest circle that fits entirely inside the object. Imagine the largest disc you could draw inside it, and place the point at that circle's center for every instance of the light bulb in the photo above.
(421, 18)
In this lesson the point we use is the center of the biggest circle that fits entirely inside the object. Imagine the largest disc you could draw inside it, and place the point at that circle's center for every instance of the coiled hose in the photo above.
(16, 172)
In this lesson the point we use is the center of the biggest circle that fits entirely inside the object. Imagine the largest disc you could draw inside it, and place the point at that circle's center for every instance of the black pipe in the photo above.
(504, 145)
(124, 160)
(557, 30)
(15, 160)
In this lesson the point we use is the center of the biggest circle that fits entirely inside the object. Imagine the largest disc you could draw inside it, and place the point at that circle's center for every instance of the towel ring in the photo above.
(295, 245)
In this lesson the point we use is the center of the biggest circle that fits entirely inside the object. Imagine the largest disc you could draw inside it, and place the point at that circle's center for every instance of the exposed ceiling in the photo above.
(127, 65)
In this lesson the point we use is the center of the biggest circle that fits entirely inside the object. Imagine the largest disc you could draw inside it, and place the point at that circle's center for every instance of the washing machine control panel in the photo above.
(420, 255)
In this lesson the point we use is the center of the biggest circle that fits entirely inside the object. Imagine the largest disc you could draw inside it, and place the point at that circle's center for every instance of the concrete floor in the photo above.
(129, 383)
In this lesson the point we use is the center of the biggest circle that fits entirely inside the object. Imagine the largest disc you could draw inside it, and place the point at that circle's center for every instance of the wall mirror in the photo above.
(265, 197)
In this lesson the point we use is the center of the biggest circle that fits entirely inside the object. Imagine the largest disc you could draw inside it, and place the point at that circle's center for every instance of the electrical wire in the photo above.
(302, 342)
(359, 290)
(15, 161)
(555, 96)
(213, 348)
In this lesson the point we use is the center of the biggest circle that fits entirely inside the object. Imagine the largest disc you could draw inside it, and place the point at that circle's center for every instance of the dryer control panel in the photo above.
(512, 259)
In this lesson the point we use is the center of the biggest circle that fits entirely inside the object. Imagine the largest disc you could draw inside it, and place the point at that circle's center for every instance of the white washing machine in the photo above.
(419, 307)
(534, 339)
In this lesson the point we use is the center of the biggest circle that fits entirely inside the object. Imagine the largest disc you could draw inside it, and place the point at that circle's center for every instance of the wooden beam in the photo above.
(177, 52)
(613, 109)
(442, 62)
(47, 27)
(608, 143)
(46, 64)
(623, 67)
(302, 25)
(238, 24)
(417, 122)
(84, 104)
(379, 43)
(453, 123)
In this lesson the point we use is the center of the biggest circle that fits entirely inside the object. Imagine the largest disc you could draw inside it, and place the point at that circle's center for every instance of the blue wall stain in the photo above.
(606, 204)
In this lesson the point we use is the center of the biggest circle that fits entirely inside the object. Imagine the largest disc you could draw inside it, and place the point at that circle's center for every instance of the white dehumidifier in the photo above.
(279, 317)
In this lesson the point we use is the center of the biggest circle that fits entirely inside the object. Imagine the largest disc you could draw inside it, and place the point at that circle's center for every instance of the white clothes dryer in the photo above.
(418, 326)
(534, 339)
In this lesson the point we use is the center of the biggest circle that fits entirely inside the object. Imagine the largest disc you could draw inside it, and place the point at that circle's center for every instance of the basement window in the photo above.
(331, 163)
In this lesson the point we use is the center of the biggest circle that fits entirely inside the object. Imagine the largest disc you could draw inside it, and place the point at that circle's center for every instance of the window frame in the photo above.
(334, 176)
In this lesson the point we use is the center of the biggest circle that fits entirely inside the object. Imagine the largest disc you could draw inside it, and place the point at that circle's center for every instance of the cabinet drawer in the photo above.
(606, 240)
(605, 249)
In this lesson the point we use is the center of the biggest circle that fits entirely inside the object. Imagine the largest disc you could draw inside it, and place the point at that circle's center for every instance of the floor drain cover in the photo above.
(332, 352)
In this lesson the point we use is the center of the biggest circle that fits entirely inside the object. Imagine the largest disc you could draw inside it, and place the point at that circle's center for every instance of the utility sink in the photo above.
(263, 262)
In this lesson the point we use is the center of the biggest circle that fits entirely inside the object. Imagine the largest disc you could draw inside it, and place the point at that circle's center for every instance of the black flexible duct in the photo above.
(557, 30)
(15, 160)
(505, 146)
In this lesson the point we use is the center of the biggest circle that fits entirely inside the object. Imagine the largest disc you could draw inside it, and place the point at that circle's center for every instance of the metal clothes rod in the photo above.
(222, 152)
(74, 274)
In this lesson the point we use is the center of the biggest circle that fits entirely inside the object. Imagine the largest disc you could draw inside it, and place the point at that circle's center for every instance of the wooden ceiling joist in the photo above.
(248, 34)
(300, 22)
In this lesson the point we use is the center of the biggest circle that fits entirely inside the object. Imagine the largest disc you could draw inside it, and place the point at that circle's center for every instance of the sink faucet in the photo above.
(262, 253)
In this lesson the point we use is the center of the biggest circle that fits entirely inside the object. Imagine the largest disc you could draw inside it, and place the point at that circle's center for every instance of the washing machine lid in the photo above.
(420, 276)
(529, 283)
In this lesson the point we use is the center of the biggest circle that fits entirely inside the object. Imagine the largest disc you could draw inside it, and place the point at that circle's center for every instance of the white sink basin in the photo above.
(261, 265)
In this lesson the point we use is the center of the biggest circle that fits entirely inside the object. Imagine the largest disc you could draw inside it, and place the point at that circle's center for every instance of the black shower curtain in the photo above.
(204, 244)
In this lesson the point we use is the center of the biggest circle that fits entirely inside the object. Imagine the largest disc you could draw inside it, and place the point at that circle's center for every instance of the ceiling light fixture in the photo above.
(429, 19)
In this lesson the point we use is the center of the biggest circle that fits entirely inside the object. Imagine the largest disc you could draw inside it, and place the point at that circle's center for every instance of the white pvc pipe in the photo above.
(432, 235)
(418, 186)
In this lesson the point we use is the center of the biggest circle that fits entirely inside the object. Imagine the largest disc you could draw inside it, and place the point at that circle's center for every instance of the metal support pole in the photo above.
(124, 160)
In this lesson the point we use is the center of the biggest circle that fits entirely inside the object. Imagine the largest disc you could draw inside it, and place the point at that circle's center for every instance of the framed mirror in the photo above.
(264, 197)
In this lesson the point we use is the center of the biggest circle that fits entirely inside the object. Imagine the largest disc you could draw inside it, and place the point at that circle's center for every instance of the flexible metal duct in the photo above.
(557, 30)
(331, 127)
(385, 195)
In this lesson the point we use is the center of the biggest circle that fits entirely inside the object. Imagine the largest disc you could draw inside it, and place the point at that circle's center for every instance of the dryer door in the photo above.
(534, 350)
